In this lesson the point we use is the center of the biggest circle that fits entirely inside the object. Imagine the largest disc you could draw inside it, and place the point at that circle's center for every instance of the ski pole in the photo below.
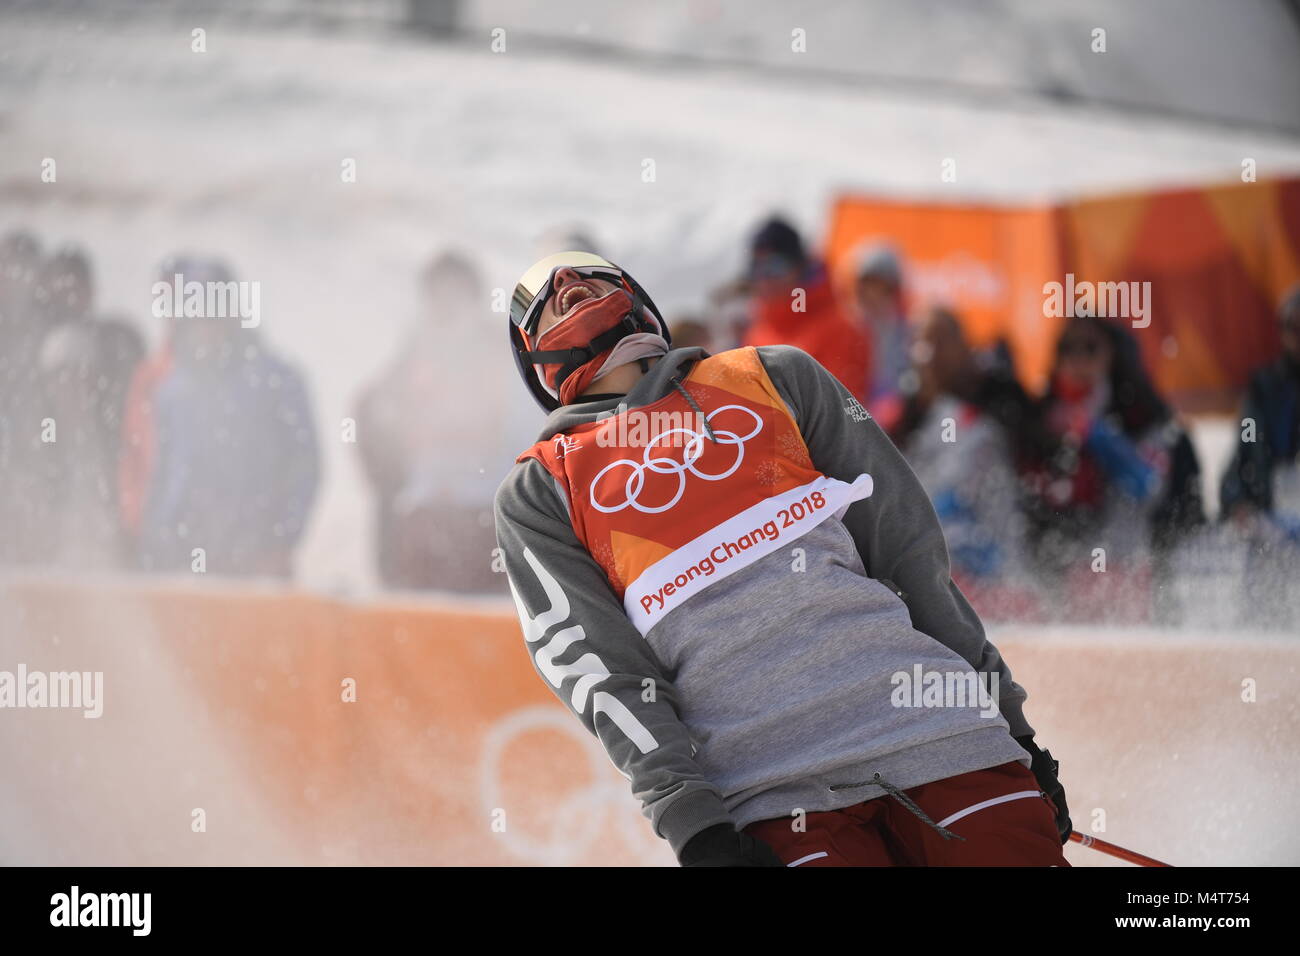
(1113, 850)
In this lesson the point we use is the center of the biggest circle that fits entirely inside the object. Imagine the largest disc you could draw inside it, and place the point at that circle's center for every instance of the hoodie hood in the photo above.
(654, 385)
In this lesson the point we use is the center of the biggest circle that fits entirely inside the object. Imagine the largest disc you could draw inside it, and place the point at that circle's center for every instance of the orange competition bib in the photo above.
(666, 510)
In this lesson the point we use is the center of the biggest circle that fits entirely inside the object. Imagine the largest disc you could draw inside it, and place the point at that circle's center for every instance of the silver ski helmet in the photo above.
(531, 293)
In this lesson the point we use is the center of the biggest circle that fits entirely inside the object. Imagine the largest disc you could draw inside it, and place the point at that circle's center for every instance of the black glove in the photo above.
(724, 845)
(1045, 769)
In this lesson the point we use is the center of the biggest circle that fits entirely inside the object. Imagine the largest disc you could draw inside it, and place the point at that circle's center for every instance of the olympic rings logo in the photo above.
(694, 449)
(595, 807)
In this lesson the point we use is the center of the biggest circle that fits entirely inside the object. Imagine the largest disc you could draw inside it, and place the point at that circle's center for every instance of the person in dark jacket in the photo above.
(63, 375)
(1260, 492)
(1122, 479)
(237, 464)
(1264, 475)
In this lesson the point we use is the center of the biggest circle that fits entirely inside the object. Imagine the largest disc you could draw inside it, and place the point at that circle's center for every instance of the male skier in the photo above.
(729, 574)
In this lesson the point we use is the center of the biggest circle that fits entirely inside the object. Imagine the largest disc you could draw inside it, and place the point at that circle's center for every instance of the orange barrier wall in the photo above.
(229, 701)
(1218, 259)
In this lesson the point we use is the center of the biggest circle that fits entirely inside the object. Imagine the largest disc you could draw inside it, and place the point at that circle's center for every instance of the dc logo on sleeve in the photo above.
(589, 670)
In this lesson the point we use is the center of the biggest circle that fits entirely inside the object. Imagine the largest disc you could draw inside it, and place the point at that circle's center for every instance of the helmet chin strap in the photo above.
(637, 308)
(574, 357)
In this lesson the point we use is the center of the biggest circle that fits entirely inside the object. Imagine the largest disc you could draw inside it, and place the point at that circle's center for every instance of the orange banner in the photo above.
(1217, 261)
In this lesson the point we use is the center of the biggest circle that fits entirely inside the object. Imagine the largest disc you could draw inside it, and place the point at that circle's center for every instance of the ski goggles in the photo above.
(535, 288)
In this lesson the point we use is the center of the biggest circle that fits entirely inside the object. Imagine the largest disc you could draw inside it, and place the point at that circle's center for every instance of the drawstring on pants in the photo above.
(905, 800)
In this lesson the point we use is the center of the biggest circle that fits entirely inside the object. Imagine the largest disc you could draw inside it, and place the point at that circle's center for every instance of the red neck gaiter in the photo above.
(577, 331)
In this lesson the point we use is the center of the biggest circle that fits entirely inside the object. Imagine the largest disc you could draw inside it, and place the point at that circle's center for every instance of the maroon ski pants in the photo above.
(1004, 818)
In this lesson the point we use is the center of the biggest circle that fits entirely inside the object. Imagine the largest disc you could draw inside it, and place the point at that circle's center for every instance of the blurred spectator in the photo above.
(987, 382)
(998, 392)
(878, 293)
(236, 466)
(794, 304)
(84, 366)
(1124, 477)
(432, 467)
(962, 455)
(63, 298)
(1264, 475)
(20, 264)
(62, 388)
(1260, 493)
(21, 332)
(121, 351)
(139, 442)
(690, 332)
(729, 311)
(65, 287)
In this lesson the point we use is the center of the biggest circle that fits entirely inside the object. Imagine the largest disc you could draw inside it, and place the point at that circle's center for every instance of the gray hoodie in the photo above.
(788, 684)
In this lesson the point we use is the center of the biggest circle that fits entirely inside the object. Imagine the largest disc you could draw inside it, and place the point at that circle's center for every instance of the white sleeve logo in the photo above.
(589, 669)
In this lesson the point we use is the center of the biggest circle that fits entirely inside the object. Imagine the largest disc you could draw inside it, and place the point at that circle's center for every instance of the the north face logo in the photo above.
(855, 411)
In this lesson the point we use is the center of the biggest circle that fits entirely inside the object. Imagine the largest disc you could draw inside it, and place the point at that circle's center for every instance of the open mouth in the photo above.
(572, 296)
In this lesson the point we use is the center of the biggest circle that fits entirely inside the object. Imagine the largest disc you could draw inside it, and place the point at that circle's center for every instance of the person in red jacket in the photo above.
(794, 304)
